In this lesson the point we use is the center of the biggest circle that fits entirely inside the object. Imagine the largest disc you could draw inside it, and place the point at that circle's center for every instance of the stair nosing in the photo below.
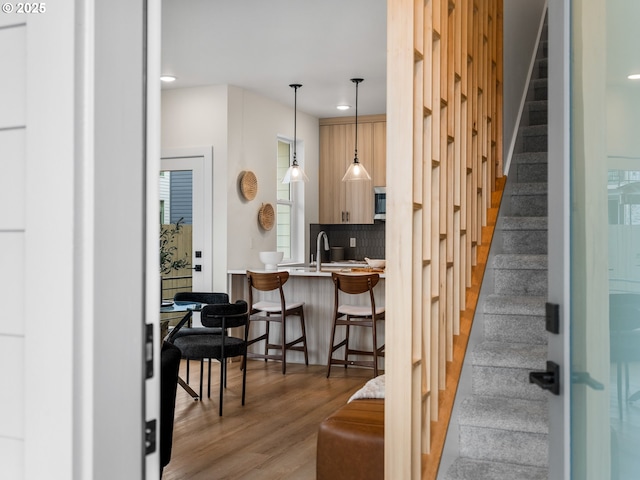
(534, 130)
(528, 158)
(531, 305)
(530, 188)
(518, 224)
(473, 465)
(505, 413)
(520, 261)
(512, 355)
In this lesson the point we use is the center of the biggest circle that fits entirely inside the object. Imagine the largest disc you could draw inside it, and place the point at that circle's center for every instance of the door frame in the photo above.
(559, 273)
(175, 157)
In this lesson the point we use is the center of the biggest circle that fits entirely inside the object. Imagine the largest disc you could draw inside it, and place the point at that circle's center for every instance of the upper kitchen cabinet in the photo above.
(350, 202)
(379, 173)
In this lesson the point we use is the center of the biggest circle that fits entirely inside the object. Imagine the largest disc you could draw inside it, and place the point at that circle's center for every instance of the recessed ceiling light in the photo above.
(168, 78)
(343, 107)
(634, 76)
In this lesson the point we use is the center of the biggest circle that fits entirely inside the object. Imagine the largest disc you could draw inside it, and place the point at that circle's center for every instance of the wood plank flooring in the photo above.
(272, 437)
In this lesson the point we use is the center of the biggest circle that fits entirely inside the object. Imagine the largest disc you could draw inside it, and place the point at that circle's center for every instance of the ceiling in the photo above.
(266, 45)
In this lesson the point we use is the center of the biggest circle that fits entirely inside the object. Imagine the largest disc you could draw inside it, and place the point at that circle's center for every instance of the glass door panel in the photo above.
(605, 240)
(176, 228)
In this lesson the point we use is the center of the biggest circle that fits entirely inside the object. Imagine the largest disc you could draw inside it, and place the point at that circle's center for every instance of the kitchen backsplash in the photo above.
(369, 239)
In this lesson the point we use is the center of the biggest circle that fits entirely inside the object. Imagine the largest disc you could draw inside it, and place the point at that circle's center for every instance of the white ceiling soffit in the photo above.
(265, 45)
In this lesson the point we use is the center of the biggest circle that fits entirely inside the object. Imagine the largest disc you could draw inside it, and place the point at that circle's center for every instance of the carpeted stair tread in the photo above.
(520, 261)
(512, 414)
(534, 131)
(470, 469)
(515, 328)
(540, 82)
(538, 113)
(542, 67)
(533, 188)
(515, 305)
(510, 355)
(538, 105)
(530, 157)
(523, 223)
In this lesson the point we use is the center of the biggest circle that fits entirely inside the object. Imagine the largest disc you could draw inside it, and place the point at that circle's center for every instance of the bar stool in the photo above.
(274, 311)
(355, 316)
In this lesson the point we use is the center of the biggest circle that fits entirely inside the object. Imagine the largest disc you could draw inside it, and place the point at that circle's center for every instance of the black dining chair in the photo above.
(218, 344)
(204, 298)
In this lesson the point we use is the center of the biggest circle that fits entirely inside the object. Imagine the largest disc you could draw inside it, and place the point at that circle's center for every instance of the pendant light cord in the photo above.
(356, 81)
(356, 121)
(295, 87)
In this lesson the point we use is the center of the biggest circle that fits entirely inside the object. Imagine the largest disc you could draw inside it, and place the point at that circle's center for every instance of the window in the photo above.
(289, 212)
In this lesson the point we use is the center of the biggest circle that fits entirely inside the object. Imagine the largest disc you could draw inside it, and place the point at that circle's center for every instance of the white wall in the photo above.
(243, 129)
(13, 47)
(521, 24)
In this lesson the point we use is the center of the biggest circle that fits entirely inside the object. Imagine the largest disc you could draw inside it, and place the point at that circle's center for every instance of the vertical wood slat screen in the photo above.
(444, 136)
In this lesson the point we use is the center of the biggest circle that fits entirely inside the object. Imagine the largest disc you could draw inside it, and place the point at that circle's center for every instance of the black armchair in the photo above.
(217, 319)
(196, 297)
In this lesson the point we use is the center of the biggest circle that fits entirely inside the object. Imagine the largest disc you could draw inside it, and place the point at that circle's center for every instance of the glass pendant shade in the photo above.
(295, 173)
(356, 170)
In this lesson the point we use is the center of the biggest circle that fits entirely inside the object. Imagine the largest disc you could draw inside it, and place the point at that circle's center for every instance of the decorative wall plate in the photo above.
(249, 185)
(266, 216)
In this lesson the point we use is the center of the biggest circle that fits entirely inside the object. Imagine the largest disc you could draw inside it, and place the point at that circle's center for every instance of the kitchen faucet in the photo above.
(318, 253)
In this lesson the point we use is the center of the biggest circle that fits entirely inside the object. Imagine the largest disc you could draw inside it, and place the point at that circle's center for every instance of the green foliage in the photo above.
(168, 249)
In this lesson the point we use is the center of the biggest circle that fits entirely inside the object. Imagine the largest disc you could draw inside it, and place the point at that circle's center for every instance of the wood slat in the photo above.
(455, 92)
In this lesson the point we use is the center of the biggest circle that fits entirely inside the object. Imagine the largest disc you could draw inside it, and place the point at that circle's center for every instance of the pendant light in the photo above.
(295, 172)
(356, 170)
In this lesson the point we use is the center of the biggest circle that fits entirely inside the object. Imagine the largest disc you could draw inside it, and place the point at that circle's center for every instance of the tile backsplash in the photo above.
(369, 239)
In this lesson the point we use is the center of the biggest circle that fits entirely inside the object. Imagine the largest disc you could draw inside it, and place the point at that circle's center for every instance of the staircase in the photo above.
(502, 419)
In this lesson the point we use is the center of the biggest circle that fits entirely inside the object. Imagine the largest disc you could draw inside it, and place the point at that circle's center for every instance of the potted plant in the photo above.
(168, 249)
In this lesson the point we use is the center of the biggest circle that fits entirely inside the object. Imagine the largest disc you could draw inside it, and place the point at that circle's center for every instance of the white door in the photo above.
(186, 192)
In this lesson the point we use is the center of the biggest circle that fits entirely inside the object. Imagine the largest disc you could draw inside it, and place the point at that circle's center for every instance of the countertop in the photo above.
(310, 270)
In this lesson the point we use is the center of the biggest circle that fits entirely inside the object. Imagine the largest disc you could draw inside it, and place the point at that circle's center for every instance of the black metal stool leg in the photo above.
(201, 372)
(209, 382)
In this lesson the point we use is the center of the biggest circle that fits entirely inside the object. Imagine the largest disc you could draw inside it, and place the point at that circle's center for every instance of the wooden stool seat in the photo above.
(349, 315)
(272, 311)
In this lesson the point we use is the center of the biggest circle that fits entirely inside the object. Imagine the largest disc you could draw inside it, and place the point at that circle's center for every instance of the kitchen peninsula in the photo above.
(316, 290)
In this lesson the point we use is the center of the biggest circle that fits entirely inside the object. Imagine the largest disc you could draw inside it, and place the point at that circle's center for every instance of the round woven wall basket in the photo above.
(266, 216)
(249, 185)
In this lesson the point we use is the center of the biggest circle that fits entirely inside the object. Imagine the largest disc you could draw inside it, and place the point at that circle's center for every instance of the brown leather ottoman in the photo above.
(351, 442)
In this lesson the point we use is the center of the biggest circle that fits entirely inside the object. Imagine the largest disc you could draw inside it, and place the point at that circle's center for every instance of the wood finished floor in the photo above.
(272, 437)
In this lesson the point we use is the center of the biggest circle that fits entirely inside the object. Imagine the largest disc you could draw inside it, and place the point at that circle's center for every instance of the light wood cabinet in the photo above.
(350, 202)
(379, 151)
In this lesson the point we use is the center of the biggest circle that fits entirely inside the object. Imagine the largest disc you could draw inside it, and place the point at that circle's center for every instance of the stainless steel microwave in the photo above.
(379, 203)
